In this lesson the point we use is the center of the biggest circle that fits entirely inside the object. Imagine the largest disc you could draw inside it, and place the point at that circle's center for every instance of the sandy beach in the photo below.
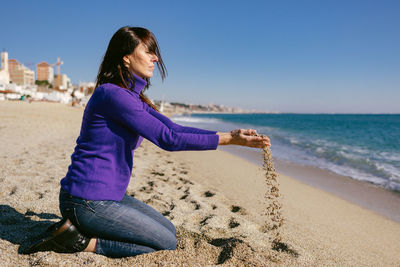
(214, 198)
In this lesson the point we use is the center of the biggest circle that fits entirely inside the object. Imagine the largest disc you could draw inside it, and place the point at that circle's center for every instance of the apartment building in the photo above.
(19, 74)
(44, 72)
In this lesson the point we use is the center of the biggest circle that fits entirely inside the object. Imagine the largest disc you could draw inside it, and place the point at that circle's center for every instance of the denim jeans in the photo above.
(123, 228)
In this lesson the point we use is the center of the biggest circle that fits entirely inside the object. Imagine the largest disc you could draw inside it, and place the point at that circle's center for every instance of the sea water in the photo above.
(363, 147)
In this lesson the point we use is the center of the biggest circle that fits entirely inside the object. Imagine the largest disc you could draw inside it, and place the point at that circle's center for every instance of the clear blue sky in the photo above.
(288, 56)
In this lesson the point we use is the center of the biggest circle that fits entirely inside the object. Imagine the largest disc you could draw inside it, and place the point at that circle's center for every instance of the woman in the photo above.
(98, 215)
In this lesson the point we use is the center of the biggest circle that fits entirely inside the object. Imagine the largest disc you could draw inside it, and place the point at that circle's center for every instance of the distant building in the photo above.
(44, 72)
(65, 82)
(4, 73)
(19, 74)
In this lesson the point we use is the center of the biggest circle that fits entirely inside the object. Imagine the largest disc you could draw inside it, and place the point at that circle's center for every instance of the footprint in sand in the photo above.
(187, 193)
(156, 197)
(204, 222)
(184, 196)
(166, 179)
(209, 194)
(185, 181)
(239, 209)
(145, 189)
(233, 223)
(196, 204)
(157, 173)
(13, 190)
(227, 246)
(187, 190)
(235, 208)
(168, 212)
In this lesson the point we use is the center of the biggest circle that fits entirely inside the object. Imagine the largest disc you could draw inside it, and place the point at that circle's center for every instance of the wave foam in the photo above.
(185, 119)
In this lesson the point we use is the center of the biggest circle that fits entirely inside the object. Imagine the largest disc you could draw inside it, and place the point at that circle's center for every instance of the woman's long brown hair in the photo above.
(123, 42)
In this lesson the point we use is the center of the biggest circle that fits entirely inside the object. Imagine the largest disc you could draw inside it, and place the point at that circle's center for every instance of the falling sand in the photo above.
(274, 219)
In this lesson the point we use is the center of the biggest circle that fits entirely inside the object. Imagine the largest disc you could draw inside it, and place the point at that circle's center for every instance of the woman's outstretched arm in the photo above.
(176, 127)
(243, 137)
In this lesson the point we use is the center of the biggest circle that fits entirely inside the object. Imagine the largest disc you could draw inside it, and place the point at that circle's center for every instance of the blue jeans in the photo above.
(123, 228)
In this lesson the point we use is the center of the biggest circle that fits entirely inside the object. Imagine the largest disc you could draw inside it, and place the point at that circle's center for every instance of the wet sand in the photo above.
(362, 193)
(215, 199)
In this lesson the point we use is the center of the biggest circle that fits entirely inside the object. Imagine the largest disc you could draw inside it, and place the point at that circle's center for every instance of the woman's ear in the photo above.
(126, 60)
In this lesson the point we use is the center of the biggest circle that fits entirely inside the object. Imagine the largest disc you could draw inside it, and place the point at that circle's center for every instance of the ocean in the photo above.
(363, 147)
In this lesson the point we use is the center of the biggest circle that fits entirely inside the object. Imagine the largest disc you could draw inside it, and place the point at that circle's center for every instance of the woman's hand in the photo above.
(244, 137)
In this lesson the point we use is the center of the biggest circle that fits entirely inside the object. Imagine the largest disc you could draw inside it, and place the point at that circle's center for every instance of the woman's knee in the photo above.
(171, 243)
(171, 228)
(166, 240)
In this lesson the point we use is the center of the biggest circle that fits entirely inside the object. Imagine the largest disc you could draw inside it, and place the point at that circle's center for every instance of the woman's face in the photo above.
(141, 61)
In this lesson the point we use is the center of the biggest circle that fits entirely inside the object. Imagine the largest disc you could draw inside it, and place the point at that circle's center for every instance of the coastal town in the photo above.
(20, 83)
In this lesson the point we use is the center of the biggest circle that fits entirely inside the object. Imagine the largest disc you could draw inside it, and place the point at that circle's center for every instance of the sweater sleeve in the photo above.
(177, 127)
(126, 108)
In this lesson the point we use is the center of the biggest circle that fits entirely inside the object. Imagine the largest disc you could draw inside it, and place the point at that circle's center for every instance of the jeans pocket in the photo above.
(88, 204)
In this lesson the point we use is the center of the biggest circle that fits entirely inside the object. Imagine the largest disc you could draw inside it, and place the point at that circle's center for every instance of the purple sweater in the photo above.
(114, 123)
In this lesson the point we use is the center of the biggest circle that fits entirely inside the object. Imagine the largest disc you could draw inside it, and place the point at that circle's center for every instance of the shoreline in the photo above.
(352, 156)
(362, 193)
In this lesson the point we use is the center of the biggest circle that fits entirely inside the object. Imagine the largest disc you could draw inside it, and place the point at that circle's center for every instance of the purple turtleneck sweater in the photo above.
(114, 123)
